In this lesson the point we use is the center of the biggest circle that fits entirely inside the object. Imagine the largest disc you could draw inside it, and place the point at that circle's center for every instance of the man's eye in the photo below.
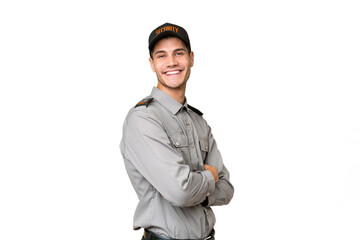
(161, 56)
(179, 53)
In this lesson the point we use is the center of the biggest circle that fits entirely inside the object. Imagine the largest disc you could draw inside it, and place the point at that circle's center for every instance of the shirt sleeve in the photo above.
(148, 148)
(224, 190)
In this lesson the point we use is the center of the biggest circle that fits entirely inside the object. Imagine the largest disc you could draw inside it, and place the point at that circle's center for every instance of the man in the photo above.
(169, 151)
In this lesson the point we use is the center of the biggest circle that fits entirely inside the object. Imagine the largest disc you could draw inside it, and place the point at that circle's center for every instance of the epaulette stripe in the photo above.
(144, 102)
(195, 110)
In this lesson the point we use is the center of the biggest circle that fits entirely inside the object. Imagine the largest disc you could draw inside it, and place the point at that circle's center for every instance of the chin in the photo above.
(173, 85)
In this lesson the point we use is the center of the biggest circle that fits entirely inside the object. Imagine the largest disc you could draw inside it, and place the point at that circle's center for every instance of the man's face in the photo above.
(172, 63)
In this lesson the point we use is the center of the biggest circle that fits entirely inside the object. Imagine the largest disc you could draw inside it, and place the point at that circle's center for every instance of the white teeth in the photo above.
(171, 73)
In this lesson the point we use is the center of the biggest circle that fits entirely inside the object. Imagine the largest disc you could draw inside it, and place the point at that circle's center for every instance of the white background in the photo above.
(278, 82)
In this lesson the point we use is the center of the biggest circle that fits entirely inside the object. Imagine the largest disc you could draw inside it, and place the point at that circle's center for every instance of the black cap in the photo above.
(165, 30)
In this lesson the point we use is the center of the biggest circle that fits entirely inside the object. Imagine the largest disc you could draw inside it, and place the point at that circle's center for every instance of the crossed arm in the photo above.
(167, 171)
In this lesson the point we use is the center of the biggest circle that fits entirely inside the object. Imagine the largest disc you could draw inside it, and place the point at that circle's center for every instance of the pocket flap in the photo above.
(204, 145)
(179, 141)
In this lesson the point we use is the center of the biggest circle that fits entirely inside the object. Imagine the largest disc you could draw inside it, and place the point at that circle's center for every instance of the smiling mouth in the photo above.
(174, 72)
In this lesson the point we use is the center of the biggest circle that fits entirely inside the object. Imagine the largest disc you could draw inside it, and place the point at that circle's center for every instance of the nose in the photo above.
(172, 61)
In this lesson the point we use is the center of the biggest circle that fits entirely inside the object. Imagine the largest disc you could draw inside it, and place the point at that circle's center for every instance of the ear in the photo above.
(152, 64)
(192, 59)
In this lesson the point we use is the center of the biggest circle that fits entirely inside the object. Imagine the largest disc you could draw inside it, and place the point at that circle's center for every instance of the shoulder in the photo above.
(142, 107)
(141, 111)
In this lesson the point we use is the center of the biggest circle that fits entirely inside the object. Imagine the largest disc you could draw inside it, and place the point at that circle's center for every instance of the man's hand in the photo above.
(213, 170)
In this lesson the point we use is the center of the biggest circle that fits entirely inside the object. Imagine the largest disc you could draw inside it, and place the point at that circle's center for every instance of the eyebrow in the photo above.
(176, 50)
(160, 51)
(180, 49)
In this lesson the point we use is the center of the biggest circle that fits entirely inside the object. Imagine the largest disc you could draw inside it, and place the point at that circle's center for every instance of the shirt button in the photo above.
(177, 144)
(192, 146)
(207, 194)
(206, 148)
(187, 123)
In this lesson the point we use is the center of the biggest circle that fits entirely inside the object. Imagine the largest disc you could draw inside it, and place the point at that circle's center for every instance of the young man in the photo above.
(169, 151)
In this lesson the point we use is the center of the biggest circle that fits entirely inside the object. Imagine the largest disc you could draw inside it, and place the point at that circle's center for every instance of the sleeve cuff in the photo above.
(212, 198)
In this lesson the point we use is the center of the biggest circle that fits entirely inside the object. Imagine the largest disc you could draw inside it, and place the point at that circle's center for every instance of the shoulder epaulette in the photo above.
(144, 102)
(195, 110)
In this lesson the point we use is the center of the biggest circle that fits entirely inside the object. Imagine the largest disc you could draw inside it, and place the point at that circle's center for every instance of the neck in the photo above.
(178, 93)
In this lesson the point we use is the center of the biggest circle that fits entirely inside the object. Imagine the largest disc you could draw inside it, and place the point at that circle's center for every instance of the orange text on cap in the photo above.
(167, 28)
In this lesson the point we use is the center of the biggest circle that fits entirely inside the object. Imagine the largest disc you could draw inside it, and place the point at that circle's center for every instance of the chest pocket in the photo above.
(204, 148)
(180, 144)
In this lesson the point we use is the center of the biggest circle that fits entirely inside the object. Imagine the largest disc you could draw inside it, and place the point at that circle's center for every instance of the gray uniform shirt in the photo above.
(165, 145)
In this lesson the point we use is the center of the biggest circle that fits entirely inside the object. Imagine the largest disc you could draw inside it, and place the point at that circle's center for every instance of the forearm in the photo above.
(223, 192)
(199, 185)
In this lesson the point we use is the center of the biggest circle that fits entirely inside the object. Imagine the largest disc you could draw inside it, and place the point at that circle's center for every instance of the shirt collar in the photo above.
(167, 101)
